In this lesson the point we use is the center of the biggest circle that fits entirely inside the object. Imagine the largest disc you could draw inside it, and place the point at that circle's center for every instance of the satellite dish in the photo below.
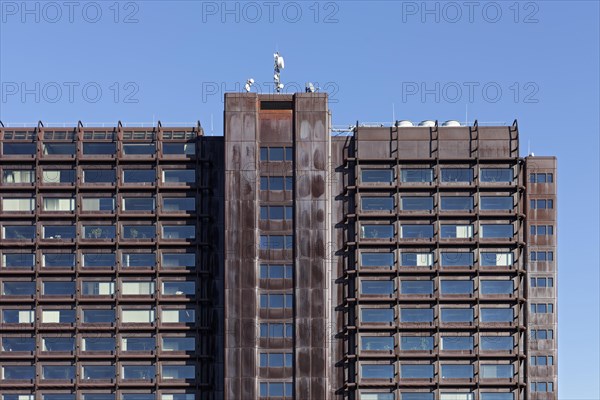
(309, 87)
(249, 84)
(279, 62)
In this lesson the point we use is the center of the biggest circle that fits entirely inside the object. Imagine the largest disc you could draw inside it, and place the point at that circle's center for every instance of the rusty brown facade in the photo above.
(279, 261)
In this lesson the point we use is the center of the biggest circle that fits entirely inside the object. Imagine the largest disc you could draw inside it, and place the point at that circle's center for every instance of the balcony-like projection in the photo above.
(417, 203)
(18, 149)
(95, 175)
(98, 204)
(139, 176)
(99, 231)
(139, 232)
(179, 176)
(58, 232)
(99, 148)
(377, 343)
(18, 260)
(408, 231)
(497, 231)
(58, 260)
(457, 259)
(98, 260)
(456, 175)
(58, 344)
(18, 176)
(97, 344)
(377, 203)
(17, 343)
(139, 149)
(138, 343)
(496, 203)
(377, 231)
(59, 149)
(20, 232)
(179, 288)
(416, 175)
(411, 259)
(58, 176)
(176, 204)
(179, 149)
(456, 343)
(504, 175)
(178, 260)
(377, 260)
(18, 288)
(377, 176)
(416, 343)
(179, 344)
(138, 204)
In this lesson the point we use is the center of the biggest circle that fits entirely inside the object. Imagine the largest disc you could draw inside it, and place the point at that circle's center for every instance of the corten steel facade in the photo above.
(111, 261)
(276, 262)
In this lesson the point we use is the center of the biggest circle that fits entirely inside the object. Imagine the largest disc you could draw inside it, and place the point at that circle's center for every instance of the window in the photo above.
(456, 371)
(377, 176)
(143, 176)
(171, 204)
(58, 316)
(139, 231)
(377, 287)
(60, 344)
(18, 372)
(496, 396)
(496, 315)
(98, 316)
(416, 371)
(18, 316)
(58, 204)
(420, 343)
(377, 231)
(13, 204)
(541, 256)
(381, 260)
(178, 372)
(496, 287)
(58, 372)
(137, 288)
(106, 148)
(541, 204)
(377, 343)
(496, 371)
(541, 230)
(58, 232)
(457, 315)
(377, 371)
(542, 334)
(496, 203)
(106, 204)
(139, 149)
(18, 260)
(377, 203)
(14, 149)
(277, 330)
(179, 288)
(188, 149)
(99, 176)
(457, 203)
(276, 300)
(275, 360)
(457, 396)
(542, 282)
(416, 259)
(137, 396)
(501, 231)
(456, 343)
(541, 360)
(138, 204)
(276, 389)
(276, 213)
(179, 231)
(452, 231)
(276, 154)
(542, 387)
(416, 175)
(276, 183)
(59, 149)
(99, 232)
(416, 231)
(138, 344)
(276, 242)
(541, 178)
(377, 315)
(97, 396)
(456, 259)
(95, 343)
(18, 288)
(138, 372)
(417, 203)
(416, 287)
(457, 287)
(179, 316)
(464, 175)
(58, 176)
(542, 308)
(179, 176)
(138, 260)
(18, 343)
(90, 372)
(58, 288)
(178, 396)
(137, 316)
(96, 288)
(179, 344)
(18, 176)
(276, 271)
(496, 259)
(496, 175)
(178, 260)
(416, 315)
(496, 343)
(378, 396)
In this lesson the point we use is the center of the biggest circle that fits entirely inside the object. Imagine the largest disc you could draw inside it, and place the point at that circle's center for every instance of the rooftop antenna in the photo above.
(309, 87)
(249, 84)
(279, 65)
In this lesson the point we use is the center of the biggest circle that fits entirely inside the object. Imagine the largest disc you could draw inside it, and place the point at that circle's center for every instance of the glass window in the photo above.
(137, 316)
(496, 175)
(97, 396)
(457, 287)
(178, 372)
(99, 176)
(90, 372)
(17, 343)
(276, 271)
(459, 315)
(377, 231)
(137, 288)
(377, 287)
(179, 288)
(106, 148)
(171, 204)
(276, 213)
(138, 372)
(18, 288)
(138, 260)
(58, 232)
(139, 176)
(416, 371)
(18, 176)
(99, 231)
(179, 231)
(276, 389)
(137, 396)
(377, 260)
(276, 360)
(416, 396)
(14, 149)
(58, 176)
(456, 343)
(377, 315)
(496, 315)
(58, 260)
(496, 343)
(276, 330)
(18, 372)
(179, 344)
(106, 204)
(377, 396)
(138, 204)
(57, 204)
(417, 203)
(179, 316)
(58, 288)
(377, 371)
(188, 149)
(377, 343)
(417, 174)
(416, 259)
(96, 288)
(276, 183)
(179, 176)
(496, 203)
(138, 344)
(452, 231)
(139, 231)
(416, 287)
(137, 149)
(496, 396)
(275, 242)
(377, 203)
(276, 300)
(496, 259)
(95, 343)
(58, 372)
(377, 176)
(178, 396)
(457, 203)
(496, 371)
(18, 204)
(18, 316)
(457, 175)
(416, 315)
(421, 343)
(59, 148)
(456, 259)
(496, 287)
(18, 260)
(98, 316)
(98, 260)
(456, 371)
(177, 260)
(58, 316)
(497, 231)
(416, 231)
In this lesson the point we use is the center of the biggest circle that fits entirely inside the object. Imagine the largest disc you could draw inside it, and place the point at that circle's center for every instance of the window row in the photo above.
(54, 176)
(427, 343)
(541, 230)
(102, 396)
(276, 153)
(276, 183)
(276, 330)
(541, 282)
(407, 286)
(541, 387)
(541, 256)
(97, 148)
(541, 178)
(541, 360)
(423, 175)
(276, 242)
(276, 271)
(275, 360)
(428, 315)
(276, 300)
(95, 343)
(541, 204)
(97, 315)
(97, 204)
(94, 259)
(443, 395)
(541, 334)
(276, 389)
(446, 231)
(446, 203)
(426, 259)
(427, 371)
(276, 213)
(542, 308)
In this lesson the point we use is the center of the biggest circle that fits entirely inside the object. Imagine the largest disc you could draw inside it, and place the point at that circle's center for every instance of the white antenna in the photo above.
(279, 65)
(309, 87)
(249, 84)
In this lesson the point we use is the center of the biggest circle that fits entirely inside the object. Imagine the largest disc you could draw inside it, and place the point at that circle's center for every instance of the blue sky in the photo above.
(173, 60)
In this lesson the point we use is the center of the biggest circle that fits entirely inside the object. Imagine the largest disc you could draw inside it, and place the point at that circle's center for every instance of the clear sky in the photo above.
(141, 61)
